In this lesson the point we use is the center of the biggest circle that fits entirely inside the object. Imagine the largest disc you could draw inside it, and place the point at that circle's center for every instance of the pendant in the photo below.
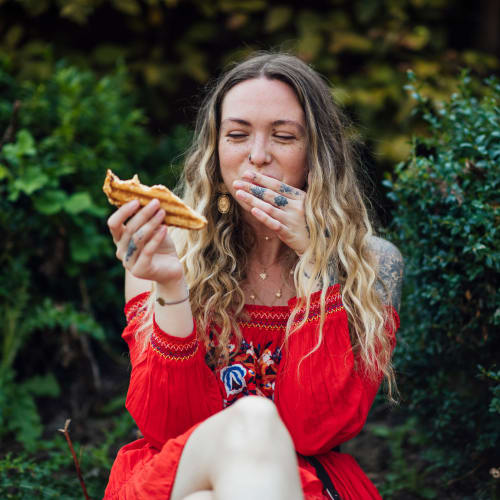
(252, 296)
(263, 276)
(278, 294)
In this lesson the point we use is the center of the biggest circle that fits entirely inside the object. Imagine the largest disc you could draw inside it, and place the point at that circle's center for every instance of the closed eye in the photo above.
(235, 135)
(285, 137)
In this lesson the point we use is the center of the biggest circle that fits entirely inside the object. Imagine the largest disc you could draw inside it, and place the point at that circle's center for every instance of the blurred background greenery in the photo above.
(87, 85)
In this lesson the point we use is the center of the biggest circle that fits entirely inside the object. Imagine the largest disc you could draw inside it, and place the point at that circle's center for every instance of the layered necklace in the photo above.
(264, 275)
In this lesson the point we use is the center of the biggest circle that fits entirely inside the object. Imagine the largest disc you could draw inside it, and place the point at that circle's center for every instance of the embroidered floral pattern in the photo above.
(254, 366)
(252, 371)
(233, 378)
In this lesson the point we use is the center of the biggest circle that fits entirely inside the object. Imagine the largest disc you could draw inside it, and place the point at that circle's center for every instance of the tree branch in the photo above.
(75, 459)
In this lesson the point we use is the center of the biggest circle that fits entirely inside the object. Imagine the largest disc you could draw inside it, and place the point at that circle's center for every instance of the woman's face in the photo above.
(264, 120)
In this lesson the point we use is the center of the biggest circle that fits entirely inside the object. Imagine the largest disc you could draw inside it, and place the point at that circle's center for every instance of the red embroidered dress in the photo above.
(172, 390)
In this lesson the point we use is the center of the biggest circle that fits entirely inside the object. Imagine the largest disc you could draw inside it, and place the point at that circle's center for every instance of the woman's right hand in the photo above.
(143, 244)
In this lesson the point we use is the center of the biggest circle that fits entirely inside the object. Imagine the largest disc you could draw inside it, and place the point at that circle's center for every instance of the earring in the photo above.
(250, 158)
(223, 200)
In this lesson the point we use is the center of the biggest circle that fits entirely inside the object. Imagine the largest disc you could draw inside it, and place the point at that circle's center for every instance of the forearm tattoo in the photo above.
(258, 191)
(130, 250)
(390, 271)
(280, 201)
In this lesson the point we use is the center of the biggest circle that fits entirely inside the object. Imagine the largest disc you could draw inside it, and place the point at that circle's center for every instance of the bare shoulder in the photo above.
(390, 270)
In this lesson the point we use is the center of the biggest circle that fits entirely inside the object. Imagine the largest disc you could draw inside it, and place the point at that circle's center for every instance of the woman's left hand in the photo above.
(278, 206)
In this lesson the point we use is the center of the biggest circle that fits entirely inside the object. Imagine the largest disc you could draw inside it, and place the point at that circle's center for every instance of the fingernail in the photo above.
(238, 184)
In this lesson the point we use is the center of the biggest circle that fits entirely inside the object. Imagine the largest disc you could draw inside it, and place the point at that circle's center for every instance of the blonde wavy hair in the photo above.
(215, 259)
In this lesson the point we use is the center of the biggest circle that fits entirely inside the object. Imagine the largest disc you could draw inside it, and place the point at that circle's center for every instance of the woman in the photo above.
(286, 296)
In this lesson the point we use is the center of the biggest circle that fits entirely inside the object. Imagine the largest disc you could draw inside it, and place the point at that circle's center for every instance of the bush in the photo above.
(50, 472)
(59, 278)
(446, 223)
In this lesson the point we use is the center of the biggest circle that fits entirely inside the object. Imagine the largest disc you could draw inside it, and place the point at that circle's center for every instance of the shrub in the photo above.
(59, 278)
(446, 224)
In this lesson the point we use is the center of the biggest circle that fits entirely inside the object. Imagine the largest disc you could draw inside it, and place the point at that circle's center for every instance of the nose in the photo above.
(259, 154)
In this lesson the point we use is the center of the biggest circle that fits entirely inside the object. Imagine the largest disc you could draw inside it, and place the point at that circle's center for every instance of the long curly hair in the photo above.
(215, 259)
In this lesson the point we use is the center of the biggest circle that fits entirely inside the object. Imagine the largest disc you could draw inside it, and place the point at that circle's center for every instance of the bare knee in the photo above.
(201, 495)
(251, 423)
(255, 407)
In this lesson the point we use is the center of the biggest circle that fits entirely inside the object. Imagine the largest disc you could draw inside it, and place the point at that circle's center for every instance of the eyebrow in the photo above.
(276, 123)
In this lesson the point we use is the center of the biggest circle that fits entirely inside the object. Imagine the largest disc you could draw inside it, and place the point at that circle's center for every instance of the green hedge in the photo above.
(446, 224)
(60, 282)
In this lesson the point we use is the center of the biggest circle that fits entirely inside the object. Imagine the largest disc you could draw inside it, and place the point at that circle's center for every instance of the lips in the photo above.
(269, 175)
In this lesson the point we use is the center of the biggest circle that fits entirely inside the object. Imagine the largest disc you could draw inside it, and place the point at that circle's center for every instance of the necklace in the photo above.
(277, 295)
(286, 260)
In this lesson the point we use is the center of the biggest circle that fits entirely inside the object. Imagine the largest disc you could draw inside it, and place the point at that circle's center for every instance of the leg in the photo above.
(242, 453)
(201, 495)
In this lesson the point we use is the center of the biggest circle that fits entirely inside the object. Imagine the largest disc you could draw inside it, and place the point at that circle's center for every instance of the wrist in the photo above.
(172, 291)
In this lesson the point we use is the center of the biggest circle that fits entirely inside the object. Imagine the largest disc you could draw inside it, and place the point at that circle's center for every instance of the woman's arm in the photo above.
(325, 403)
(390, 268)
(148, 254)
(135, 286)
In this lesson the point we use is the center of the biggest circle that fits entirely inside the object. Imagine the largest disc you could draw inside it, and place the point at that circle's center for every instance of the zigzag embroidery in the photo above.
(256, 324)
(177, 352)
(314, 316)
(134, 305)
(172, 350)
(276, 320)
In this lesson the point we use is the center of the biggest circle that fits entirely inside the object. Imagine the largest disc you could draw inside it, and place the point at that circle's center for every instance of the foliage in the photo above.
(50, 473)
(18, 411)
(173, 48)
(404, 475)
(58, 273)
(446, 224)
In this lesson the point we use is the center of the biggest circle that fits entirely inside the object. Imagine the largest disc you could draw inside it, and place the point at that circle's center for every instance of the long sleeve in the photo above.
(327, 404)
(171, 387)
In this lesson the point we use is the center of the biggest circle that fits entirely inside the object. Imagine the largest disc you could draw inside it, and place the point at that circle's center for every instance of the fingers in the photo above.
(142, 236)
(267, 195)
(276, 186)
(140, 218)
(276, 205)
(252, 200)
(130, 247)
(268, 221)
(151, 246)
(131, 237)
(143, 262)
(115, 222)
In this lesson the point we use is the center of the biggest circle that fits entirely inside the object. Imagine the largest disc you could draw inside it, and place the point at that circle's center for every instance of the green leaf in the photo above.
(26, 143)
(32, 180)
(49, 201)
(42, 385)
(4, 172)
(77, 203)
